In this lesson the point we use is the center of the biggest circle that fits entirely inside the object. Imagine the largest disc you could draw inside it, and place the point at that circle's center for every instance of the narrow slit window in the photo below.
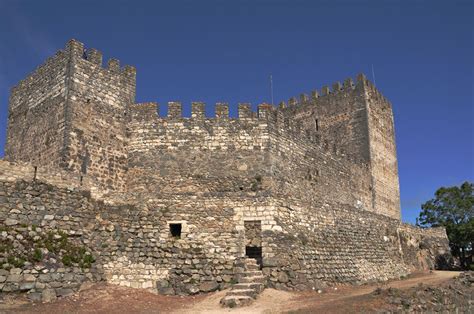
(175, 230)
(317, 125)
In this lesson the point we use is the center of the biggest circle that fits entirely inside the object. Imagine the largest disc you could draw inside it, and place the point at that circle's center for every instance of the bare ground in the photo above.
(103, 298)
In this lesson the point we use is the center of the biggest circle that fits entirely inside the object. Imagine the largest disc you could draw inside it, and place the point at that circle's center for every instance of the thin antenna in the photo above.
(271, 87)
(373, 75)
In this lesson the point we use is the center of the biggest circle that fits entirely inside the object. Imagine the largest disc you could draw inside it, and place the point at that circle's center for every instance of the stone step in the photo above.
(236, 300)
(249, 285)
(252, 273)
(245, 292)
(252, 267)
(250, 261)
(254, 279)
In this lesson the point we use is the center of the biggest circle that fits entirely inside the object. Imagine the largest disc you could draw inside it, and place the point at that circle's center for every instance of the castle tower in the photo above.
(382, 152)
(352, 121)
(70, 113)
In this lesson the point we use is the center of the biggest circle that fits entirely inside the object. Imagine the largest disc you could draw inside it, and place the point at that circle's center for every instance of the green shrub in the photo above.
(87, 261)
(17, 262)
(56, 242)
(67, 261)
(37, 255)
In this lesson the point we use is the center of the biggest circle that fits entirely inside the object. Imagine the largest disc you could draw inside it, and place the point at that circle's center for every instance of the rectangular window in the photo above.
(175, 230)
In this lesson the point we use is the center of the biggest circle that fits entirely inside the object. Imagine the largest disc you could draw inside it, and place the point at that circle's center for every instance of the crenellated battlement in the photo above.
(78, 50)
(75, 49)
(149, 111)
(347, 87)
(362, 84)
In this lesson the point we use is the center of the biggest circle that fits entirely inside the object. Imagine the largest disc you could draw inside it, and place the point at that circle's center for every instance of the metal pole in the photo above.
(271, 87)
(373, 75)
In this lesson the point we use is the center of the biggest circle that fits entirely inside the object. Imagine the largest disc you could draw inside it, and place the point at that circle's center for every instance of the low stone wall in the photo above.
(303, 246)
(44, 283)
(15, 171)
(326, 244)
(132, 246)
(45, 262)
(425, 248)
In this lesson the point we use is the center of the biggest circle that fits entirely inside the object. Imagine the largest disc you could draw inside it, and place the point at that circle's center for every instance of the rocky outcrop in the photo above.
(455, 296)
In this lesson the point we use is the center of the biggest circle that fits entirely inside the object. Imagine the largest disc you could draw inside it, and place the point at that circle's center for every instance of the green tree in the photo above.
(452, 208)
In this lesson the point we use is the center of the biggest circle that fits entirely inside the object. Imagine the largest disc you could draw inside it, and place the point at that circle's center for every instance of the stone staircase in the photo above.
(251, 283)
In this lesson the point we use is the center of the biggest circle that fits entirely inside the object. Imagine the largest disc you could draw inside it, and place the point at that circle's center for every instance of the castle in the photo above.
(309, 188)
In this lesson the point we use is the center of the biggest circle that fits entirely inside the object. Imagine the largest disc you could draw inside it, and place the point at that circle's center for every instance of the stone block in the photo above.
(48, 295)
(208, 286)
(11, 222)
(64, 292)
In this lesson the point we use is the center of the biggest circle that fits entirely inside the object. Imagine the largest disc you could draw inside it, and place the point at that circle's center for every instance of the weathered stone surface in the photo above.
(283, 277)
(35, 296)
(48, 295)
(192, 289)
(14, 278)
(11, 222)
(64, 292)
(208, 286)
(24, 286)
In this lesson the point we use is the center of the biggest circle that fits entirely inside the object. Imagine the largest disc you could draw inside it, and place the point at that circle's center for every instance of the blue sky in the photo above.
(422, 53)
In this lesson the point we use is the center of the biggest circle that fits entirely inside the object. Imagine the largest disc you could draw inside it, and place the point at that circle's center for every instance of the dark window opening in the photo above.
(175, 230)
(85, 163)
(254, 252)
(317, 125)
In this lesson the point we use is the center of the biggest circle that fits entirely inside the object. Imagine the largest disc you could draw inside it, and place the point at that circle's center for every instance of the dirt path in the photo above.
(339, 300)
(102, 298)
(350, 299)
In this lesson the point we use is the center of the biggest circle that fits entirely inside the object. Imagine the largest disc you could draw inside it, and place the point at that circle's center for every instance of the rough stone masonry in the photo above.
(97, 187)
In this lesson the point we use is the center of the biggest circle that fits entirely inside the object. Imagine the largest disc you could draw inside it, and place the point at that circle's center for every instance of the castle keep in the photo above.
(308, 188)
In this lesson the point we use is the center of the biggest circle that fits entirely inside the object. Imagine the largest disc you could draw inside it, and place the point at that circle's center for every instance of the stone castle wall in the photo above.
(307, 172)
(132, 244)
(335, 243)
(164, 202)
(198, 155)
(124, 147)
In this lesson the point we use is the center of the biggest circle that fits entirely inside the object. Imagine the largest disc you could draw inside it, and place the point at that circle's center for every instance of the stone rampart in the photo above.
(132, 245)
(169, 155)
